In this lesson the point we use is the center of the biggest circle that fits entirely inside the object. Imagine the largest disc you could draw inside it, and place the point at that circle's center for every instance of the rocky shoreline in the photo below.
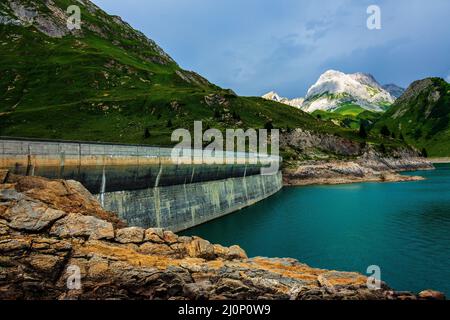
(440, 160)
(331, 159)
(364, 169)
(56, 242)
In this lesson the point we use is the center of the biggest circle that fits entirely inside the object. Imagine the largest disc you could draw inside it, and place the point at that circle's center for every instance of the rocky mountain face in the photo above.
(341, 172)
(273, 96)
(320, 161)
(335, 89)
(308, 145)
(421, 116)
(370, 166)
(394, 90)
(50, 18)
(53, 235)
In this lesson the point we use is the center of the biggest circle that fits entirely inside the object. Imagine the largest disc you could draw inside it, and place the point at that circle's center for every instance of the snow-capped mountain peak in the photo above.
(335, 89)
(272, 95)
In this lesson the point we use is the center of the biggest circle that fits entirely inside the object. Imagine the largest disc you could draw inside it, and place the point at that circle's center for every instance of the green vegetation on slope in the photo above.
(421, 117)
(349, 109)
(109, 82)
(349, 116)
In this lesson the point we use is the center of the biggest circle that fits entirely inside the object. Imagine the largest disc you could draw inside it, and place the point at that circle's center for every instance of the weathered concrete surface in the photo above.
(142, 184)
(183, 206)
(133, 263)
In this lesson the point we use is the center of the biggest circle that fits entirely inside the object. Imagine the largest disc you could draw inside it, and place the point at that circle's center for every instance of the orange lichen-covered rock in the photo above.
(76, 225)
(130, 235)
(431, 295)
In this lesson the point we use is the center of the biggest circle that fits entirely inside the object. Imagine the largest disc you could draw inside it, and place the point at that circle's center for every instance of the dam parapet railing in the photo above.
(142, 183)
(126, 166)
(12, 149)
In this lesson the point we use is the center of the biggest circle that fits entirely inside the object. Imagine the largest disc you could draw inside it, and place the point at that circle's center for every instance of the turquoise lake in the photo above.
(402, 227)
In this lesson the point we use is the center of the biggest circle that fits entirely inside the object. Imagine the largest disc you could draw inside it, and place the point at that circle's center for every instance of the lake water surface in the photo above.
(402, 227)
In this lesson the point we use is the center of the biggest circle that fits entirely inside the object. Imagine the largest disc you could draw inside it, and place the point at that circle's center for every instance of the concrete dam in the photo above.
(141, 183)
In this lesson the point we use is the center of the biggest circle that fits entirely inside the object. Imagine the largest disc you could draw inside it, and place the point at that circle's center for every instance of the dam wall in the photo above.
(184, 206)
(142, 184)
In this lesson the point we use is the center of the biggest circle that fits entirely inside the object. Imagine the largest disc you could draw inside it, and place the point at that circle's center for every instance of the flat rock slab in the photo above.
(31, 216)
(75, 225)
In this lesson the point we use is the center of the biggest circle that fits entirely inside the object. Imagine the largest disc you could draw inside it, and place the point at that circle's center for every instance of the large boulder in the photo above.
(130, 235)
(154, 235)
(231, 253)
(237, 252)
(68, 196)
(200, 248)
(431, 295)
(75, 225)
(31, 216)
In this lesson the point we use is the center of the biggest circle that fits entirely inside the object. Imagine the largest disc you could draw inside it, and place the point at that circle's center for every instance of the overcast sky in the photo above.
(254, 46)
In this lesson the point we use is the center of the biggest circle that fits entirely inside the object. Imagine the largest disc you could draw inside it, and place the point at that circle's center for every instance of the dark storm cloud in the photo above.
(254, 46)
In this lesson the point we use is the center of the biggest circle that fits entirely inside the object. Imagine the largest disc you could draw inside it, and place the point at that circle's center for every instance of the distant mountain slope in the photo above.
(273, 96)
(335, 89)
(394, 90)
(422, 116)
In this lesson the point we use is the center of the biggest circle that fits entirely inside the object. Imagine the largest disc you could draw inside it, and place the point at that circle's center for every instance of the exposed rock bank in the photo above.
(440, 160)
(368, 168)
(51, 229)
(312, 158)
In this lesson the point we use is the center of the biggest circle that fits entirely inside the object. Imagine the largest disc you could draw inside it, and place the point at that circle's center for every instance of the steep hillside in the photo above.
(349, 116)
(109, 82)
(394, 90)
(335, 89)
(421, 117)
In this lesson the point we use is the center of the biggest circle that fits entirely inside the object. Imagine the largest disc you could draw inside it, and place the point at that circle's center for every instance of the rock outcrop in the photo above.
(321, 158)
(68, 196)
(323, 164)
(344, 172)
(57, 243)
(394, 90)
(311, 145)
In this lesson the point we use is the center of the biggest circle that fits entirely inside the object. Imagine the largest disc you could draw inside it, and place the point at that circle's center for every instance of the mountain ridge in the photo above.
(395, 90)
(335, 89)
(421, 117)
(274, 96)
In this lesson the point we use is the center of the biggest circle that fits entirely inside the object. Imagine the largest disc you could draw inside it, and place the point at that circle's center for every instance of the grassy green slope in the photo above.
(422, 116)
(348, 116)
(350, 109)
